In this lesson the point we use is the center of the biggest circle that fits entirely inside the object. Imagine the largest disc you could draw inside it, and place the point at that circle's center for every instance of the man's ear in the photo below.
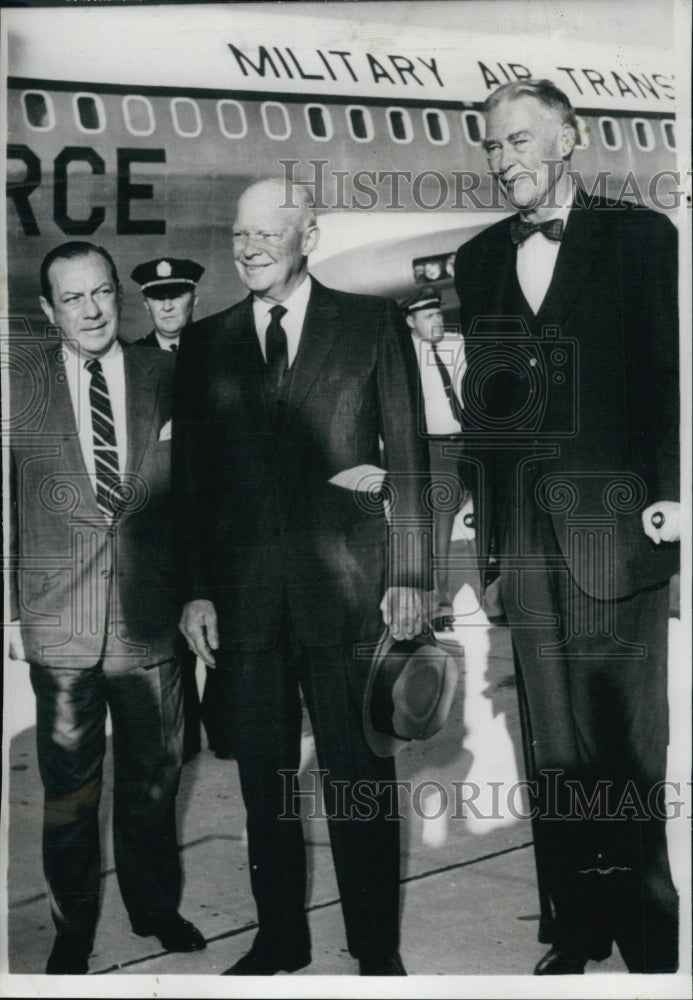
(47, 309)
(567, 139)
(311, 238)
(410, 321)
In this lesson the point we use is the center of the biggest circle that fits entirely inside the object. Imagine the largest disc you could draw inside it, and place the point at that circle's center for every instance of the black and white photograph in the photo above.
(345, 350)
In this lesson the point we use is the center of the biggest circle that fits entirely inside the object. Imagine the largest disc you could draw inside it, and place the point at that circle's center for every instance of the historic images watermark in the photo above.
(548, 797)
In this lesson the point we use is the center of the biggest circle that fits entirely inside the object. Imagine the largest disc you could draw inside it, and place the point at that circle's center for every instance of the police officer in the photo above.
(169, 289)
(439, 360)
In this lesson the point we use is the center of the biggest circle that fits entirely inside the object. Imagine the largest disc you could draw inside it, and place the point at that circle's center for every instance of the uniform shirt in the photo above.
(439, 416)
(296, 305)
(536, 260)
(78, 381)
(166, 343)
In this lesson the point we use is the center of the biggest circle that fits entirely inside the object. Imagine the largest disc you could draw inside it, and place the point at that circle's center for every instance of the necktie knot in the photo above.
(521, 230)
(276, 312)
(93, 366)
(173, 347)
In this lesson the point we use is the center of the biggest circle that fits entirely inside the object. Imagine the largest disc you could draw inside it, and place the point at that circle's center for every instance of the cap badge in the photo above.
(163, 269)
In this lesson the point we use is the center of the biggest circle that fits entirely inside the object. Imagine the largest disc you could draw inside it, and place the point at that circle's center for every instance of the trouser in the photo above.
(447, 494)
(264, 700)
(594, 678)
(147, 722)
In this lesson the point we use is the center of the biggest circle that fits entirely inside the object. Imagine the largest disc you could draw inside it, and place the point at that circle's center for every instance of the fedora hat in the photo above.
(408, 693)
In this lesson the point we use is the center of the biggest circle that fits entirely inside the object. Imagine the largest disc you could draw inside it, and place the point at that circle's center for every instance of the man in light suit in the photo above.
(569, 311)
(96, 602)
(169, 294)
(286, 571)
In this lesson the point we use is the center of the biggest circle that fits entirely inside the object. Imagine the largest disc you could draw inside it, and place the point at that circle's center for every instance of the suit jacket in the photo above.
(261, 528)
(603, 441)
(148, 341)
(85, 588)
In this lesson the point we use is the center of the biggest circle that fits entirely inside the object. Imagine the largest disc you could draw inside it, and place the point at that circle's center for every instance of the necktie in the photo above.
(454, 402)
(173, 347)
(108, 485)
(276, 352)
(521, 230)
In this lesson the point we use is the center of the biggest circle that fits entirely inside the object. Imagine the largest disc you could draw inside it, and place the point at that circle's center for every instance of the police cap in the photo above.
(167, 277)
(424, 297)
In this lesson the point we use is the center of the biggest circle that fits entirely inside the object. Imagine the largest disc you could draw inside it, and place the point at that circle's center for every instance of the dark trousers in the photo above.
(263, 697)
(593, 677)
(147, 721)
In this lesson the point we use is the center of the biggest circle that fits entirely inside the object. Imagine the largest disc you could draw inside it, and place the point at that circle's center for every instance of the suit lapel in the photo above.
(320, 330)
(245, 356)
(140, 405)
(500, 269)
(581, 241)
(61, 414)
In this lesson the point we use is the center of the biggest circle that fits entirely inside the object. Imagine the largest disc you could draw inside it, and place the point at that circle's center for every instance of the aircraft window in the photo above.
(644, 136)
(319, 122)
(583, 134)
(611, 133)
(89, 112)
(360, 123)
(275, 118)
(186, 117)
(400, 125)
(232, 120)
(38, 110)
(669, 134)
(138, 114)
(473, 125)
(436, 127)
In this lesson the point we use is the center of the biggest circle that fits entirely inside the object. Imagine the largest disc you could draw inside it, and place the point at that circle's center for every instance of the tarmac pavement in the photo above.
(469, 899)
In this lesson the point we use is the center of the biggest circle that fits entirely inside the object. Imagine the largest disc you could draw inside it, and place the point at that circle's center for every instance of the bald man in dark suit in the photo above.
(278, 400)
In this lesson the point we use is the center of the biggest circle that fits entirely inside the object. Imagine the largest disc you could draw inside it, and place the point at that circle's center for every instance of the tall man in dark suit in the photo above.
(286, 571)
(96, 601)
(571, 412)
(169, 293)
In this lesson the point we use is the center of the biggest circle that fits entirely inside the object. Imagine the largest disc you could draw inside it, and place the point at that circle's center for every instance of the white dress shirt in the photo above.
(78, 381)
(439, 416)
(296, 305)
(166, 343)
(536, 260)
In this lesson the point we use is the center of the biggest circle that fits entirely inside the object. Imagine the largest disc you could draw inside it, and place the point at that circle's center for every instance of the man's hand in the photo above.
(406, 611)
(662, 521)
(199, 626)
(16, 646)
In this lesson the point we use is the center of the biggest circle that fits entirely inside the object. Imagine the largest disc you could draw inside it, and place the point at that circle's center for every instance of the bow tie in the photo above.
(521, 230)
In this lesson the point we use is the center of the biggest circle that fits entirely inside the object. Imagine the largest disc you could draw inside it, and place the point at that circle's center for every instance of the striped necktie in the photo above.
(108, 485)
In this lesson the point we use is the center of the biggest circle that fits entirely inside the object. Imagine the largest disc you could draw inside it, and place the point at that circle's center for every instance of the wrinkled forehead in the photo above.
(268, 206)
(89, 267)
